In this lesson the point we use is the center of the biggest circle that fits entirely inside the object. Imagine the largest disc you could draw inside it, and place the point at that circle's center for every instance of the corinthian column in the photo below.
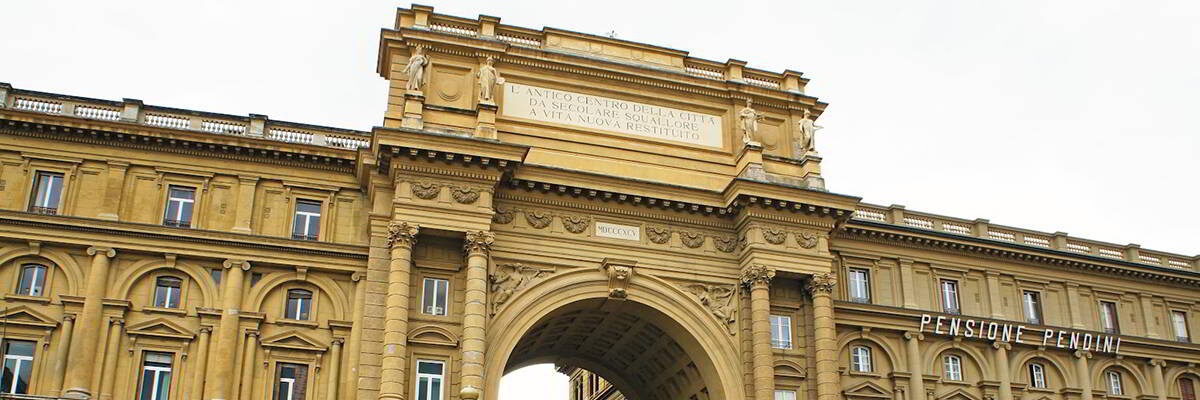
(227, 330)
(477, 246)
(1082, 375)
(758, 279)
(1002, 372)
(916, 373)
(83, 350)
(820, 287)
(401, 238)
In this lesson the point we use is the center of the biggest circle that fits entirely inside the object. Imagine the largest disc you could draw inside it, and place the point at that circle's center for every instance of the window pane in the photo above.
(18, 348)
(435, 388)
(311, 207)
(440, 301)
(1179, 319)
(147, 392)
(305, 308)
(164, 385)
(182, 193)
(785, 395)
(422, 392)
(216, 275)
(185, 213)
(33, 277)
(429, 368)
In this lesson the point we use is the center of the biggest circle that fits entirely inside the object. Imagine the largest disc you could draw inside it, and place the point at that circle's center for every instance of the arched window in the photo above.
(1187, 390)
(1114, 382)
(953, 365)
(299, 304)
(860, 359)
(32, 281)
(1037, 375)
(166, 291)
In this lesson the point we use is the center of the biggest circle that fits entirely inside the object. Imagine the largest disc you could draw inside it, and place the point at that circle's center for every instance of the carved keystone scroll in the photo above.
(619, 272)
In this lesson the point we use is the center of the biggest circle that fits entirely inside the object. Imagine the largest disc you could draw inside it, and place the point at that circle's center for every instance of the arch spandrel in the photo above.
(712, 349)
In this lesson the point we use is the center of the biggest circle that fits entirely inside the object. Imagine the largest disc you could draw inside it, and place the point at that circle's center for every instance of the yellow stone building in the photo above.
(647, 220)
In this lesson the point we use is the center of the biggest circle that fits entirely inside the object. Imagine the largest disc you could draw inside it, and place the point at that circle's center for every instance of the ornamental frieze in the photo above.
(503, 216)
(426, 190)
(658, 234)
(464, 195)
(691, 239)
(724, 244)
(718, 299)
(538, 219)
(508, 279)
(806, 240)
(774, 236)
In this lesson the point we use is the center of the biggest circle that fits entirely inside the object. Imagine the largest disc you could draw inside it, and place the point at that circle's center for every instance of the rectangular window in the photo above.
(433, 296)
(1114, 383)
(156, 376)
(32, 280)
(1108, 317)
(1033, 307)
(291, 381)
(18, 366)
(954, 368)
(860, 285)
(950, 297)
(180, 201)
(299, 304)
(166, 292)
(1186, 389)
(47, 192)
(860, 359)
(781, 332)
(1037, 375)
(429, 379)
(1179, 320)
(785, 395)
(307, 224)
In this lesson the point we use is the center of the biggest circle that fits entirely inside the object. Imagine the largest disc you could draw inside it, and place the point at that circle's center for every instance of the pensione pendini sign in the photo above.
(1018, 333)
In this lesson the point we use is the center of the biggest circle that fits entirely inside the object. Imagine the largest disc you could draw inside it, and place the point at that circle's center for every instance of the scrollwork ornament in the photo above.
(774, 236)
(718, 300)
(575, 223)
(725, 244)
(806, 240)
(464, 195)
(658, 234)
(479, 242)
(757, 274)
(743, 242)
(402, 233)
(426, 190)
(503, 216)
(538, 219)
(822, 283)
(691, 239)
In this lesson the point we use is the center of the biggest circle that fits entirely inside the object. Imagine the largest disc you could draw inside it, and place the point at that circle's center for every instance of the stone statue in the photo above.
(488, 79)
(417, 63)
(807, 132)
(749, 121)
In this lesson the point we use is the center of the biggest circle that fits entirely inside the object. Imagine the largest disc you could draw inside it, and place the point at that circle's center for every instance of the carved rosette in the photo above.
(658, 234)
(822, 283)
(503, 216)
(806, 240)
(575, 223)
(725, 244)
(774, 236)
(718, 300)
(478, 242)
(538, 219)
(691, 239)
(508, 279)
(757, 274)
(426, 190)
(464, 195)
(402, 234)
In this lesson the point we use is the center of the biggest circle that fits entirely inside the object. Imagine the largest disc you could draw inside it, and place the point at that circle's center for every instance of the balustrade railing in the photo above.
(981, 228)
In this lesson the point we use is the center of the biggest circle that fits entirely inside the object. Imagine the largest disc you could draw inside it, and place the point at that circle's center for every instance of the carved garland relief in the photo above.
(426, 190)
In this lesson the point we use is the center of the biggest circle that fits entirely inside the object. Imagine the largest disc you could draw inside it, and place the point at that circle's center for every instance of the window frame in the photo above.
(866, 283)
(954, 374)
(1038, 316)
(1112, 376)
(1037, 375)
(41, 289)
(308, 219)
(178, 292)
(35, 192)
(1190, 385)
(943, 296)
(1180, 324)
(442, 386)
(856, 361)
(784, 339)
(158, 370)
(177, 221)
(445, 307)
(1114, 313)
(287, 302)
(788, 394)
(277, 379)
(18, 360)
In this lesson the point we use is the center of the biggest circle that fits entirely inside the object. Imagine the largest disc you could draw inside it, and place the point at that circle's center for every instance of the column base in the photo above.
(107, 216)
(470, 393)
(77, 394)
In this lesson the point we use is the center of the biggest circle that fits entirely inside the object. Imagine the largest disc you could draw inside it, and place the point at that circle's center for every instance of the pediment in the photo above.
(958, 394)
(433, 335)
(23, 315)
(789, 369)
(161, 327)
(293, 340)
(867, 390)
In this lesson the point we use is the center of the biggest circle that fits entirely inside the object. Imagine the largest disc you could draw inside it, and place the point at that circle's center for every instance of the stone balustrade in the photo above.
(134, 111)
(982, 228)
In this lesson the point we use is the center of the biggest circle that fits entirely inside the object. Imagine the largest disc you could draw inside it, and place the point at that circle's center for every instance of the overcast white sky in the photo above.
(1075, 116)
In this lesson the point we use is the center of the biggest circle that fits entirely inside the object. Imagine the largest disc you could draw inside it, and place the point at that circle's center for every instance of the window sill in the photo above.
(951, 382)
(164, 310)
(27, 298)
(1041, 390)
(863, 374)
(297, 322)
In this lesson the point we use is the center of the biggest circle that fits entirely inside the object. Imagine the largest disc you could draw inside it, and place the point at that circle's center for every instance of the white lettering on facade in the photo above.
(615, 231)
(603, 113)
(1010, 333)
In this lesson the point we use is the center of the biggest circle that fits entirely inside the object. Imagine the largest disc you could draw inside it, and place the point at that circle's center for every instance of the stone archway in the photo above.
(658, 343)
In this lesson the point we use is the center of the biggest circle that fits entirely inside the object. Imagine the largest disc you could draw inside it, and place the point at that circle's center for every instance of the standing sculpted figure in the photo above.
(808, 134)
(415, 70)
(488, 79)
(749, 119)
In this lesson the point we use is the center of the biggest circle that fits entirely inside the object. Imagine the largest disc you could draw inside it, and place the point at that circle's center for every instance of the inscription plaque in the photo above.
(617, 231)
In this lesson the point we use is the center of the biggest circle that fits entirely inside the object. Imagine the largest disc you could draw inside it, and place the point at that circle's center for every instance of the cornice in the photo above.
(467, 151)
(923, 239)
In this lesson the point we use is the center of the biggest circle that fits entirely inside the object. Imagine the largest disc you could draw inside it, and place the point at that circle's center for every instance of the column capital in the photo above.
(1082, 354)
(68, 317)
(205, 329)
(108, 251)
(911, 335)
(358, 276)
(116, 321)
(479, 242)
(822, 283)
(757, 274)
(1157, 362)
(998, 345)
(402, 233)
(243, 264)
(337, 341)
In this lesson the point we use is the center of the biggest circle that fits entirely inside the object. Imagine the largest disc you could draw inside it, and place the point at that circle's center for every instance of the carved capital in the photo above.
(757, 274)
(1157, 362)
(205, 329)
(231, 263)
(1002, 345)
(402, 234)
(822, 283)
(68, 317)
(478, 242)
(911, 335)
(358, 276)
(619, 273)
(108, 251)
(337, 341)
(1082, 354)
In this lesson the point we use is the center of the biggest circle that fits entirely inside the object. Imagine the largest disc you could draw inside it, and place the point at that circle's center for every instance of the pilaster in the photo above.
(84, 350)
(916, 369)
(1083, 376)
(221, 384)
(1001, 368)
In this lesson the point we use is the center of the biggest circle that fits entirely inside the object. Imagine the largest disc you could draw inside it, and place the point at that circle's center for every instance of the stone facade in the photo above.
(619, 209)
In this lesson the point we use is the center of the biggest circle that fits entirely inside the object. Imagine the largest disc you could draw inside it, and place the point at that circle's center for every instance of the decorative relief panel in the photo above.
(658, 234)
(426, 190)
(508, 279)
(718, 299)
(464, 195)
(575, 223)
(537, 218)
